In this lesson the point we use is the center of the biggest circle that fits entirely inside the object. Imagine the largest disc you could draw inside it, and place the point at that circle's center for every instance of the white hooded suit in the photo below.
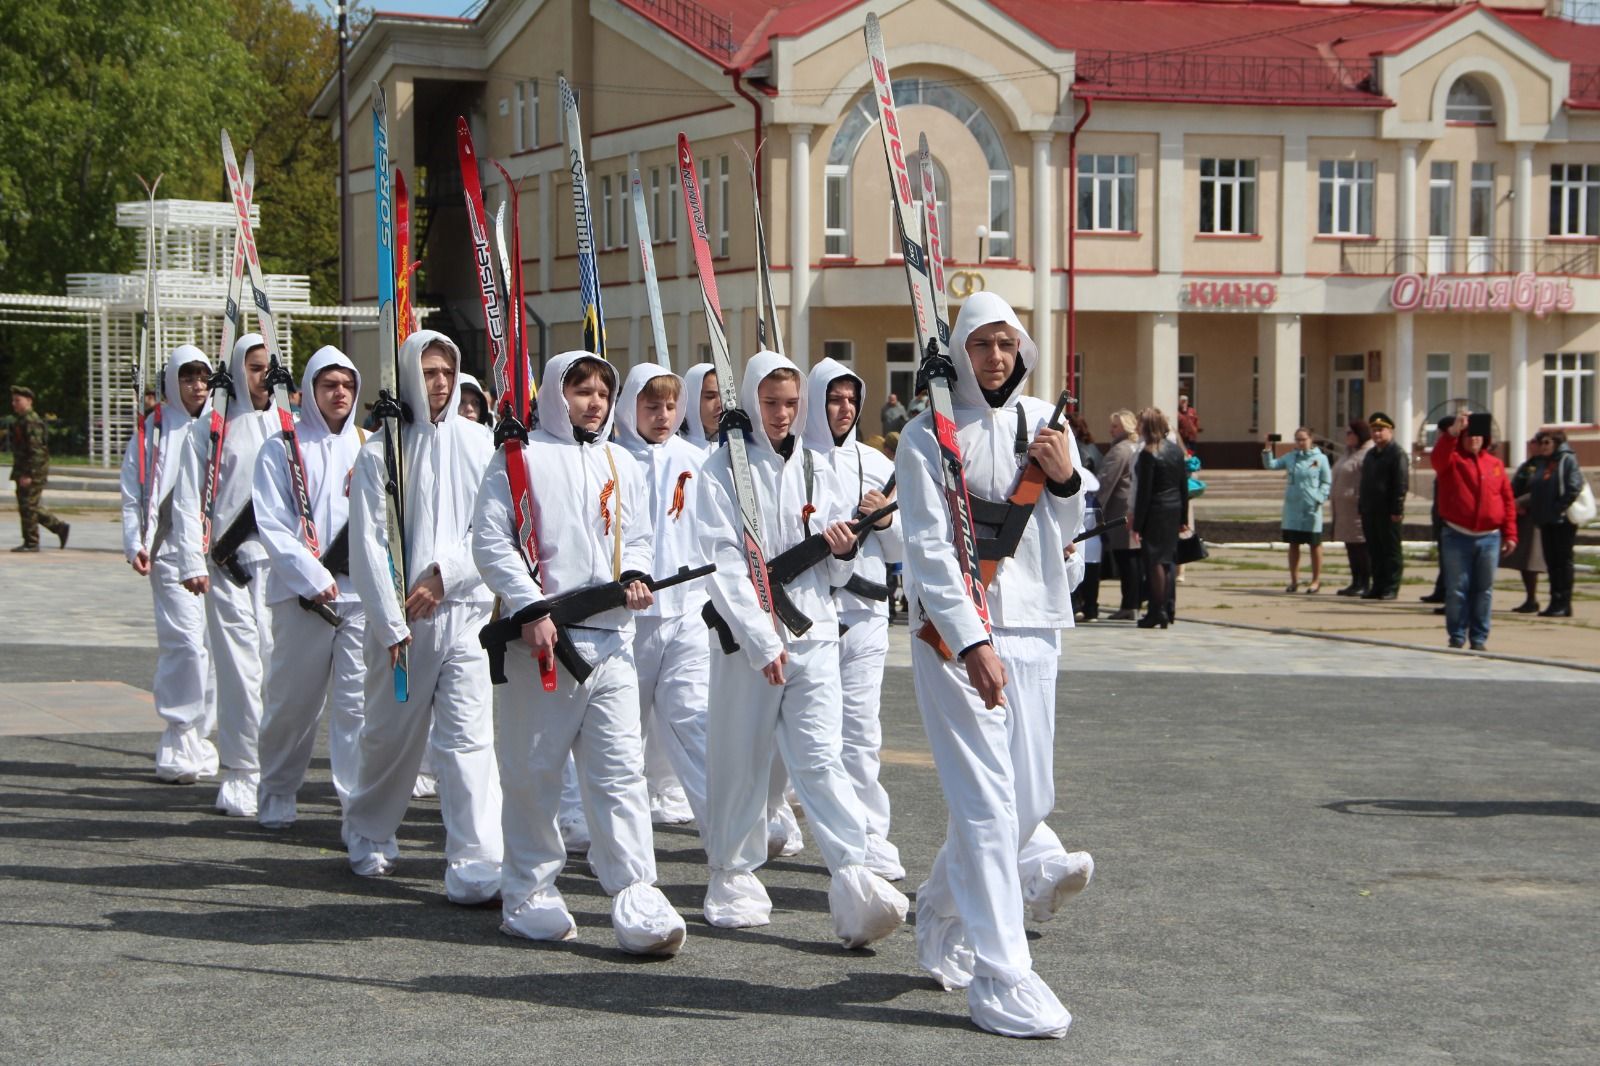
(592, 525)
(448, 674)
(185, 684)
(312, 663)
(804, 713)
(995, 765)
(236, 616)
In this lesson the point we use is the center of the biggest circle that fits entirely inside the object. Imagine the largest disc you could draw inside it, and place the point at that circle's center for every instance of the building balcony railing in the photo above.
(1276, 76)
(693, 22)
(1470, 255)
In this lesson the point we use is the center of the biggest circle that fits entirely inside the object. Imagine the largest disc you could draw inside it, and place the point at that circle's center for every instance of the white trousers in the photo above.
(674, 662)
(598, 723)
(996, 769)
(185, 686)
(451, 693)
(241, 642)
(745, 714)
(862, 651)
(312, 664)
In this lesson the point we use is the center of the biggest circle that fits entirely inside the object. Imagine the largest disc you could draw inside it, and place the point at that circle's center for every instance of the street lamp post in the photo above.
(343, 12)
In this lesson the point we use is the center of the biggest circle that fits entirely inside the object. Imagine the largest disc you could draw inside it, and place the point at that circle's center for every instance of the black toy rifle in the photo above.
(337, 560)
(225, 551)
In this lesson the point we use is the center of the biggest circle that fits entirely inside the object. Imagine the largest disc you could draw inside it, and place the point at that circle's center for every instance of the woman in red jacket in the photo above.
(1480, 524)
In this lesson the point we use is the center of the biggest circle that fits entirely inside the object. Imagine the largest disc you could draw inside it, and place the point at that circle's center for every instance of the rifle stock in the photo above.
(225, 551)
(337, 560)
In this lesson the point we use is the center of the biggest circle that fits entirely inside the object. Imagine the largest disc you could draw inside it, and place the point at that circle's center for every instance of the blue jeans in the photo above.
(1468, 563)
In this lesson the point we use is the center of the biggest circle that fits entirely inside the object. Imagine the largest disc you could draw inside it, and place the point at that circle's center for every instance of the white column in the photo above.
(1522, 212)
(800, 190)
(1045, 381)
(1411, 259)
(1169, 203)
(1278, 359)
(1402, 380)
(1156, 362)
(1293, 235)
(1517, 431)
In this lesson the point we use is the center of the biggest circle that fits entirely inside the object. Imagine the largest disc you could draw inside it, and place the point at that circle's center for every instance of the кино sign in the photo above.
(1242, 295)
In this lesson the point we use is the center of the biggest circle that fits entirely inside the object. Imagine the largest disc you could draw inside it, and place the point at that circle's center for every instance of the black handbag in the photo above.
(1191, 549)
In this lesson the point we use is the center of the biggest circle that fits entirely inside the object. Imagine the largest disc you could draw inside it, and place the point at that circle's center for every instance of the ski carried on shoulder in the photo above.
(767, 332)
(516, 317)
(278, 377)
(148, 441)
(937, 372)
(405, 314)
(735, 426)
(221, 387)
(652, 288)
(510, 381)
(594, 319)
(390, 412)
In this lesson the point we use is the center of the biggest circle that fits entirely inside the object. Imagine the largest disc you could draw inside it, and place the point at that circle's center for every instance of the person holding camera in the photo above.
(1308, 485)
(1480, 523)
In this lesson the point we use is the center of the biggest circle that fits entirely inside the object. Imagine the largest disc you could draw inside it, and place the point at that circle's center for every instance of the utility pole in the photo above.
(343, 11)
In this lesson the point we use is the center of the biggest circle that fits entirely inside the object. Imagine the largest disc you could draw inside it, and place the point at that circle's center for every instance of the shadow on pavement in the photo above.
(1466, 808)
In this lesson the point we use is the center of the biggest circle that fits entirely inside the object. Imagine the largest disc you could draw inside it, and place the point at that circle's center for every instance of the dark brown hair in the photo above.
(1359, 427)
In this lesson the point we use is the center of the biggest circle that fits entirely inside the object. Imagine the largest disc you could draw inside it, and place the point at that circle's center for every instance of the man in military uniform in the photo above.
(1385, 478)
(30, 468)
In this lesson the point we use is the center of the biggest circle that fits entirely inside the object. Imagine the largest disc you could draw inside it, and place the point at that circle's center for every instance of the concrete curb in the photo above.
(1376, 643)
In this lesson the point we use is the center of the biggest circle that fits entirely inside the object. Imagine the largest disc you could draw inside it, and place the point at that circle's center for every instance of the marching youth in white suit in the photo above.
(236, 615)
(185, 684)
(834, 400)
(989, 712)
(448, 673)
(670, 647)
(783, 686)
(592, 525)
(312, 662)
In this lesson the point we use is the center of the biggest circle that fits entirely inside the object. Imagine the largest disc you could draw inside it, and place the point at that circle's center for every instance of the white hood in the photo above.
(981, 309)
(174, 416)
(467, 381)
(758, 369)
(310, 414)
(627, 406)
(247, 430)
(555, 417)
(693, 381)
(409, 380)
(818, 434)
(240, 404)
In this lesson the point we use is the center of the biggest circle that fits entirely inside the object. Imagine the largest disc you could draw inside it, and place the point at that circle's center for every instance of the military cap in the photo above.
(23, 391)
(1379, 420)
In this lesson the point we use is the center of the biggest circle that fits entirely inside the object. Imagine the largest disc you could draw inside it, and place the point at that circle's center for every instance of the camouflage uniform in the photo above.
(30, 458)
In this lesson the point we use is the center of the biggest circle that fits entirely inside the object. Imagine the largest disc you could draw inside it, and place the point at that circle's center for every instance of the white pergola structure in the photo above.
(194, 259)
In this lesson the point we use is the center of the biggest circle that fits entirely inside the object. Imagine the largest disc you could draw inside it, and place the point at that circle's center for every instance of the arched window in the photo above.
(858, 122)
(1469, 101)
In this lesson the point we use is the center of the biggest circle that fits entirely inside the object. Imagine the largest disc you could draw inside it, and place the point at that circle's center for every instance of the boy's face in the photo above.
(657, 418)
(255, 377)
(842, 406)
(780, 403)
(335, 391)
(439, 374)
(993, 351)
(194, 382)
(588, 402)
(710, 405)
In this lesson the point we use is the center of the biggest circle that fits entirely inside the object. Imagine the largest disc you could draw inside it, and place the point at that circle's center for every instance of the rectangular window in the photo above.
(1186, 379)
(1478, 381)
(1480, 209)
(722, 206)
(1438, 391)
(1228, 196)
(1344, 197)
(1569, 388)
(519, 140)
(606, 234)
(533, 113)
(900, 358)
(674, 201)
(1000, 245)
(655, 205)
(1575, 200)
(625, 225)
(1442, 200)
(836, 211)
(1106, 193)
(839, 351)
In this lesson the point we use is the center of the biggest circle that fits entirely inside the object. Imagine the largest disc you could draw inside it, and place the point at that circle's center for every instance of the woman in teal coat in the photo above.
(1309, 486)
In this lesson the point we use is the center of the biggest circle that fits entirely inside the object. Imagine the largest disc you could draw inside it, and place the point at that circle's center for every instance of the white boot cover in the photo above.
(237, 796)
(1025, 1009)
(942, 947)
(183, 756)
(275, 810)
(883, 859)
(372, 858)
(470, 882)
(670, 806)
(426, 785)
(645, 921)
(783, 832)
(737, 900)
(574, 828)
(542, 916)
(1056, 880)
(865, 907)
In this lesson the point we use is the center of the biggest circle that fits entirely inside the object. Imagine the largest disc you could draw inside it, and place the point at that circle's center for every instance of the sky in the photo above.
(410, 7)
